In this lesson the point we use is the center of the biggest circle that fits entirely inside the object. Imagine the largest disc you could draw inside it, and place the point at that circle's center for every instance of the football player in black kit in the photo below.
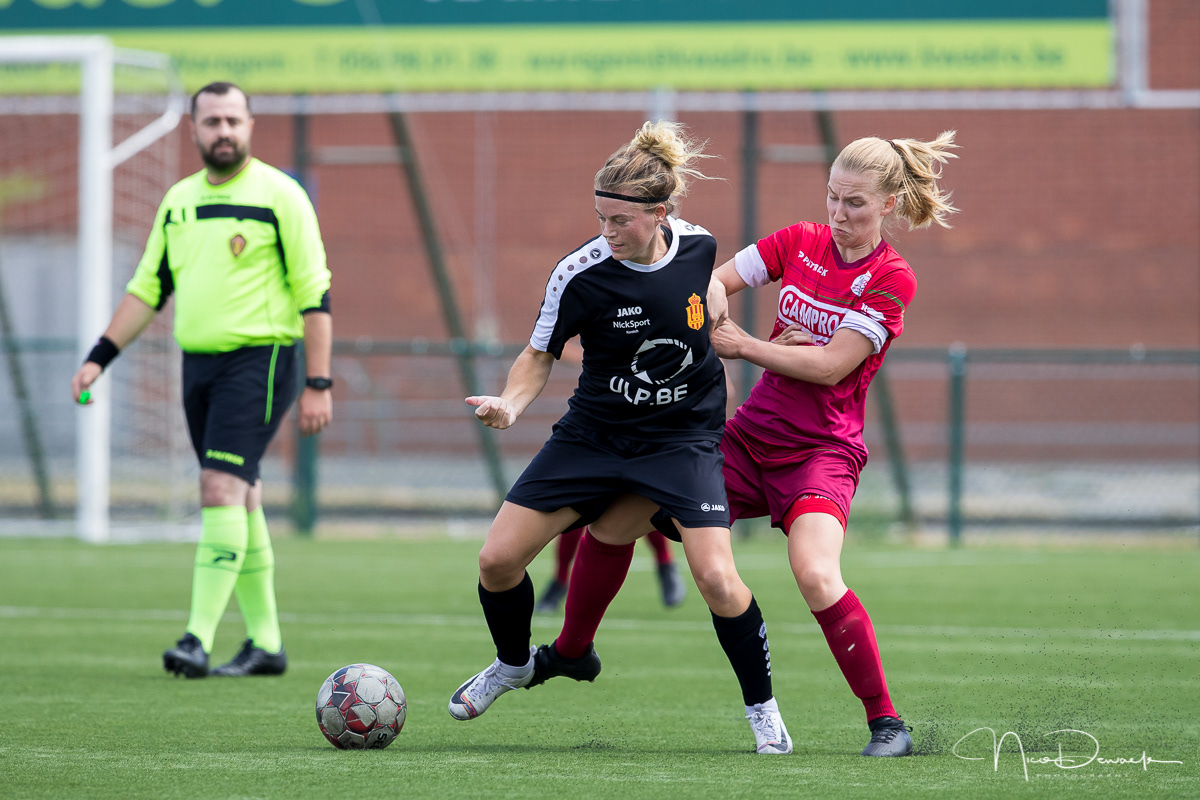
(641, 433)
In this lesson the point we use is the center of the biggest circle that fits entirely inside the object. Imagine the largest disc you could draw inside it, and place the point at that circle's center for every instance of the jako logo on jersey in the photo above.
(237, 244)
(815, 267)
(695, 312)
(628, 312)
(711, 507)
(860, 283)
(795, 307)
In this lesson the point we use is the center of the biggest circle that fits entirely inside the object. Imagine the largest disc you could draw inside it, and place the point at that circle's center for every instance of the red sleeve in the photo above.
(776, 248)
(887, 296)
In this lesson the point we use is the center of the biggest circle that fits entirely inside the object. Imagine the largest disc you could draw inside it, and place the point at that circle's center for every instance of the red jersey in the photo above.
(822, 293)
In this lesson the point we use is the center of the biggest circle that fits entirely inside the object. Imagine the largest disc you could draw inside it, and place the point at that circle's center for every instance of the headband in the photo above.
(630, 199)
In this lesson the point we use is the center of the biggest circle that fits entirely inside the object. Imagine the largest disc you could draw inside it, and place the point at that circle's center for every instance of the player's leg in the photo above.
(740, 630)
(673, 589)
(517, 535)
(564, 554)
(246, 406)
(223, 529)
(601, 564)
(815, 536)
(223, 534)
(262, 652)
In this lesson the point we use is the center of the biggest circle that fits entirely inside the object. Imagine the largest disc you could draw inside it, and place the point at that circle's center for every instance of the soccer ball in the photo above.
(361, 706)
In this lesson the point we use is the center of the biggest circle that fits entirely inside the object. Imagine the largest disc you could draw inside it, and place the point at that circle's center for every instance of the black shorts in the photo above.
(234, 403)
(587, 473)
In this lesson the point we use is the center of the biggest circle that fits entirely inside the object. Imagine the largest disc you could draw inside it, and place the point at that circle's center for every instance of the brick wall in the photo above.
(1078, 228)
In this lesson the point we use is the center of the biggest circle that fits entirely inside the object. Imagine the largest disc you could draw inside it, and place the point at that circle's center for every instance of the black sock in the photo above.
(508, 615)
(744, 640)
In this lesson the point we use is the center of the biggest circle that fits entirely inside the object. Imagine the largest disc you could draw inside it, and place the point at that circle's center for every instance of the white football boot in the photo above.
(770, 734)
(474, 696)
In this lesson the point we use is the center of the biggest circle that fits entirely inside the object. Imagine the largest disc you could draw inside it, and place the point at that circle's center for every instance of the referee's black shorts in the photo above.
(234, 403)
(587, 472)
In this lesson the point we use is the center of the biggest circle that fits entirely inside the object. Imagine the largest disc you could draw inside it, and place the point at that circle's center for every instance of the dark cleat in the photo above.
(889, 738)
(547, 663)
(673, 587)
(252, 660)
(187, 658)
(554, 595)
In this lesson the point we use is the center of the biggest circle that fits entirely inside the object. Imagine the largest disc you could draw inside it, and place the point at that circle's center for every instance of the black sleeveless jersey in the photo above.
(649, 369)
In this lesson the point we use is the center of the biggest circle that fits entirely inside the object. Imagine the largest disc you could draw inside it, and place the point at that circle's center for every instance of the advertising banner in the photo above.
(353, 46)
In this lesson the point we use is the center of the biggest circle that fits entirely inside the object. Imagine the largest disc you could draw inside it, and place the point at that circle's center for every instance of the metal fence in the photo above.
(1014, 438)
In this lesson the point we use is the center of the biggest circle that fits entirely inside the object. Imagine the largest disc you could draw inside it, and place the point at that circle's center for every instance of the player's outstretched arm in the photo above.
(526, 380)
(826, 365)
(128, 321)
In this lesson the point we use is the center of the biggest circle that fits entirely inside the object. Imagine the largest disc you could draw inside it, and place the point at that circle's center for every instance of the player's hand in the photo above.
(728, 338)
(316, 410)
(84, 379)
(792, 335)
(495, 412)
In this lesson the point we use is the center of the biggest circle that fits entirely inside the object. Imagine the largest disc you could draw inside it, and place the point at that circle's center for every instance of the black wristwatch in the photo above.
(319, 383)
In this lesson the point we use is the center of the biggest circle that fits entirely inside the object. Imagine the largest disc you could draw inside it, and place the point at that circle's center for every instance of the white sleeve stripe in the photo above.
(857, 321)
(750, 266)
(543, 329)
(575, 264)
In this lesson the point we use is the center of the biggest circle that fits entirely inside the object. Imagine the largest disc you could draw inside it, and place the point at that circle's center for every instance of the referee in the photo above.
(239, 247)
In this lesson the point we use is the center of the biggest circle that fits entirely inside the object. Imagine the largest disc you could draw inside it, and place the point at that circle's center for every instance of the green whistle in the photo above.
(84, 396)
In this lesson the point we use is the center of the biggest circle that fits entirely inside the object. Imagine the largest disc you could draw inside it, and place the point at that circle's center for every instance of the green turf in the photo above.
(1030, 641)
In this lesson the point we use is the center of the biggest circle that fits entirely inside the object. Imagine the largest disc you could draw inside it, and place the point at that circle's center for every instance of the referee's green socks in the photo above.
(219, 557)
(256, 586)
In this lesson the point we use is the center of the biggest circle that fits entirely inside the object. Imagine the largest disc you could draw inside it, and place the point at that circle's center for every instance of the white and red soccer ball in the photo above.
(361, 706)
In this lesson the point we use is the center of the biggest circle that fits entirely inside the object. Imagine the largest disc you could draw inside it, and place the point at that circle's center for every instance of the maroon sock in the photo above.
(662, 548)
(599, 571)
(851, 637)
(568, 543)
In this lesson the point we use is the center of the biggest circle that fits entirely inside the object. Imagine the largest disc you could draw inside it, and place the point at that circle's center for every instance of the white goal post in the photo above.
(98, 157)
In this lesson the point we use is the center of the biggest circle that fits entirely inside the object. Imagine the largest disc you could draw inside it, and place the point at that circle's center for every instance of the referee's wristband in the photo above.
(103, 353)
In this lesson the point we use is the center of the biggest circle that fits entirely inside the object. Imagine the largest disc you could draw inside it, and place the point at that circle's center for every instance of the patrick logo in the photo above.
(695, 312)
(237, 244)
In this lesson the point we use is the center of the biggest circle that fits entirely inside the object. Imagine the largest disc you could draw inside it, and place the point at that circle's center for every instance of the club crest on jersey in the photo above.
(695, 312)
(237, 244)
(860, 283)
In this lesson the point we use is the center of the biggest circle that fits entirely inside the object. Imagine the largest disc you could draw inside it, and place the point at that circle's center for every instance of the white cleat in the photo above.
(476, 695)
(770, 734)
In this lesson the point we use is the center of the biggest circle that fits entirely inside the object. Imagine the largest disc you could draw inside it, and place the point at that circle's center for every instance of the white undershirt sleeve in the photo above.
(857, 321)
(751, 267)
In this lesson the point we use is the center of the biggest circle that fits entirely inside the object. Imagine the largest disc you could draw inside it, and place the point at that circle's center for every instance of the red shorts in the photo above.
(761, 483)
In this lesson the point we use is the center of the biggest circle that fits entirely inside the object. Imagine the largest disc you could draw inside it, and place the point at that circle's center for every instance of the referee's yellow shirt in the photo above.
(244, 260)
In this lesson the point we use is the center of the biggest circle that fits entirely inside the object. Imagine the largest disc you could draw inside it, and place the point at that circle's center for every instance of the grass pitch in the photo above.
(1104, 643)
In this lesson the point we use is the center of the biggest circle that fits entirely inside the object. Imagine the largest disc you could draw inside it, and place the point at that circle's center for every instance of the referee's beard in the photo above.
(227, 160)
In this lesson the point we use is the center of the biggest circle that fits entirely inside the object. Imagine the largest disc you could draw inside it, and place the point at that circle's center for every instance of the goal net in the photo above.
(86, 161)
